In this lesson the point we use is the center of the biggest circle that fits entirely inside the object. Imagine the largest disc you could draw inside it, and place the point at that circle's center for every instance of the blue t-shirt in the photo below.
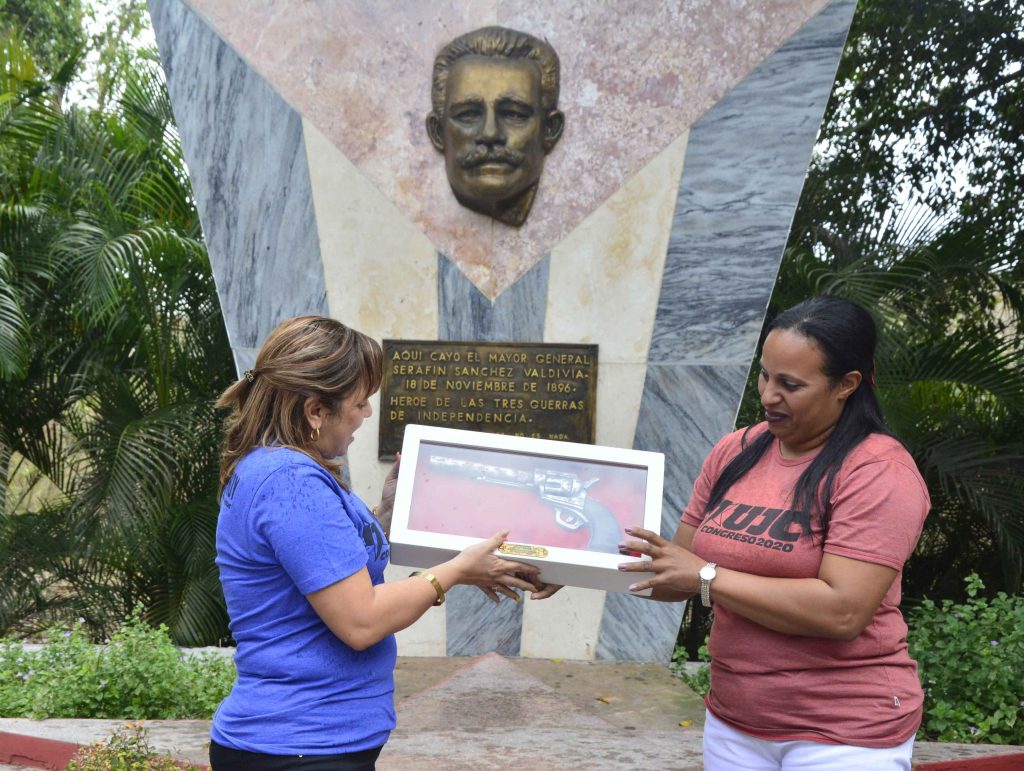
(287, 529)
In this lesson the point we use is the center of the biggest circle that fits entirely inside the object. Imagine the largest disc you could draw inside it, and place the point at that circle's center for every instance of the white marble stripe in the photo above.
(382, 275)
(603, 289)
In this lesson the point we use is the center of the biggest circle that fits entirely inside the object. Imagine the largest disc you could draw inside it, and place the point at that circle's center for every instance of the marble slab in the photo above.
(517, 315)
(745, 169)
(475, 625)
(745, 164)
(381, 274)
(244, 148)
(346, 211)
(634, 78)
(565, 626)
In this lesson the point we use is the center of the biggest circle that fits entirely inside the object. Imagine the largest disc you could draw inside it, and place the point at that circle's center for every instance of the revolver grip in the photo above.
(605, 530)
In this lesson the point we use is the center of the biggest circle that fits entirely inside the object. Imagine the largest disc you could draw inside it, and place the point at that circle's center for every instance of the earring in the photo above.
(315, 434)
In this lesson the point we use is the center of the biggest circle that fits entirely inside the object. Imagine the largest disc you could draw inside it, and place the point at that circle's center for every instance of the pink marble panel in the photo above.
(634, 77)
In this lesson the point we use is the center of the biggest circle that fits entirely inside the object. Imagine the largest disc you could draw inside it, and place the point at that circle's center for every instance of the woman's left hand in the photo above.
(675, 567)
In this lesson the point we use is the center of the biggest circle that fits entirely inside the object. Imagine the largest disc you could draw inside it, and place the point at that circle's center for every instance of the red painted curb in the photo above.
(53, 754)
(1012, 761)
(34, 752)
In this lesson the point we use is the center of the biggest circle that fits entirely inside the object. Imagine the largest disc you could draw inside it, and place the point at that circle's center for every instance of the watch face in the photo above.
(707, 572)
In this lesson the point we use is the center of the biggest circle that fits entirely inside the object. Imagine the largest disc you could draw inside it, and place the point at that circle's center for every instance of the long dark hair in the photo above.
(845, 334)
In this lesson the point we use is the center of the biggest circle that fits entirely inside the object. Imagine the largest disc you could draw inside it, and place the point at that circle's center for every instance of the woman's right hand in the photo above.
(477, 565)
(543, 591)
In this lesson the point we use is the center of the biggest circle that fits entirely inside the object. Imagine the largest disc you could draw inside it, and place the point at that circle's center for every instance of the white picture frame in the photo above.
(565, 503)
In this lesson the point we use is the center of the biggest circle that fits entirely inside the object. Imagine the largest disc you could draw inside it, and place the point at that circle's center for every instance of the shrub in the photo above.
(126, 749)
(700, 680)
(140, 674)
(969, 658)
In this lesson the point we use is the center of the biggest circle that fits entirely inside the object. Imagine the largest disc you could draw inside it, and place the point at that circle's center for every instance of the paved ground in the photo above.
(527, 714)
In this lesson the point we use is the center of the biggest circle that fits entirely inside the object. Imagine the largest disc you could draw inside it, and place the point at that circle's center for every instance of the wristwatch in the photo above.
(707, 575)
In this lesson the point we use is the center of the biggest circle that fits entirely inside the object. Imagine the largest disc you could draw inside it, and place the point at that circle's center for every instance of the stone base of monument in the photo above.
(492, 712)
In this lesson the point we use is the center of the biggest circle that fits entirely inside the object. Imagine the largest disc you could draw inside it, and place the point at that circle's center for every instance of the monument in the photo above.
(660, 208)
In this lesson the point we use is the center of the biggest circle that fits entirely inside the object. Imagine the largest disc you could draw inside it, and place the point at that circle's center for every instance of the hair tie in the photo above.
(249, 375)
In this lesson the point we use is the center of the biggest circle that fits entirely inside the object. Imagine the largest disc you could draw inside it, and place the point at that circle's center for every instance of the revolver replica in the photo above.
(565, 493)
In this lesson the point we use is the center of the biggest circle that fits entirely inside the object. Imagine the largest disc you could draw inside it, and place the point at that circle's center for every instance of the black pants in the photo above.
(226, 759)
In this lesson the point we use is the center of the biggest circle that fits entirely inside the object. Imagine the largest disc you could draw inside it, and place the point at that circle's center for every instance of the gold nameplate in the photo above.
(523, 550)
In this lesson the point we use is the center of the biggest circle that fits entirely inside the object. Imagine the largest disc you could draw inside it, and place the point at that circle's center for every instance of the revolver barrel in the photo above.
(566, 493)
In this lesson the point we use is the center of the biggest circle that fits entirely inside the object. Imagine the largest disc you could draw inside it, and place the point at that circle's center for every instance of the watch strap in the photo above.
(705, 585)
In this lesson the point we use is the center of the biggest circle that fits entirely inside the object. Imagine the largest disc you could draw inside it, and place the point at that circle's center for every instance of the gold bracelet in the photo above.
(433, 580)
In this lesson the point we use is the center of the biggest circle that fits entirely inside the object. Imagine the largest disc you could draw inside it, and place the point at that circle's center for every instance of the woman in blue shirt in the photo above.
(302, 560)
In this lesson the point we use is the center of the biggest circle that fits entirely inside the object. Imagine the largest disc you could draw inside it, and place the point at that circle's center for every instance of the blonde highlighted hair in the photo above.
(307, 356)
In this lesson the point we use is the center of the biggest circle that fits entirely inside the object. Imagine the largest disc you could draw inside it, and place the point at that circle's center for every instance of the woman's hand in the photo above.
(675, 567)
(543, 591)
(477, 565)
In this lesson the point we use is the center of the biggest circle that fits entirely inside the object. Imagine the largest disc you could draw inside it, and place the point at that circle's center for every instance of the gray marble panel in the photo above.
(245, 358)
(476, 625)
(635, 629)
(685, 410)
(745, 166)
(244, 147)
(517, 314)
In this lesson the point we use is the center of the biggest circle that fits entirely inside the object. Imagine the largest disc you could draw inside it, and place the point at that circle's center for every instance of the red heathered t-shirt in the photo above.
(783, 687)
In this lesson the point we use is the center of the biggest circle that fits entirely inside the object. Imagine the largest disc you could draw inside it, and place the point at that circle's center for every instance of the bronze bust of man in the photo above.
(495, 117)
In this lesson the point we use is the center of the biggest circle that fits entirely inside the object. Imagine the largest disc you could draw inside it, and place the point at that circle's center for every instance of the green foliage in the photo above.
(913, 207)
(969, 657)
(55, 31)
(112, 349)
(126, 749)
(115, 47)
(138, 674)
(699, 680)
(88, 47)
(927, 104)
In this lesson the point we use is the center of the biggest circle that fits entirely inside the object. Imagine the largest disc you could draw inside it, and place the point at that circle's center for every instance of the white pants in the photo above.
(726, 749)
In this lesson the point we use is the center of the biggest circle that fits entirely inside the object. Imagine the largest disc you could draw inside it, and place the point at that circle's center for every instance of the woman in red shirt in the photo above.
(797, 532)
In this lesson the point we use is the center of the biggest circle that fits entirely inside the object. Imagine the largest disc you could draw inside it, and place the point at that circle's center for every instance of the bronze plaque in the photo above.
(538, 390)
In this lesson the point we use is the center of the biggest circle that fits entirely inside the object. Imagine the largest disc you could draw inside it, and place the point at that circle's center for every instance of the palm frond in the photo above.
(13, 326)
(965, 468)
(987, 365)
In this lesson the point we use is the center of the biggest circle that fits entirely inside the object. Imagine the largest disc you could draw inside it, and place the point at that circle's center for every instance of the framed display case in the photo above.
(565, 504)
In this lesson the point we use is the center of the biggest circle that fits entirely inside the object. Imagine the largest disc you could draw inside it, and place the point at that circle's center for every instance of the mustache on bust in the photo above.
(481, 155)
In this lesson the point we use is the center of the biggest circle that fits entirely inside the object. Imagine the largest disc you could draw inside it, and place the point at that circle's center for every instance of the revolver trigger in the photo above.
(568, 519)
